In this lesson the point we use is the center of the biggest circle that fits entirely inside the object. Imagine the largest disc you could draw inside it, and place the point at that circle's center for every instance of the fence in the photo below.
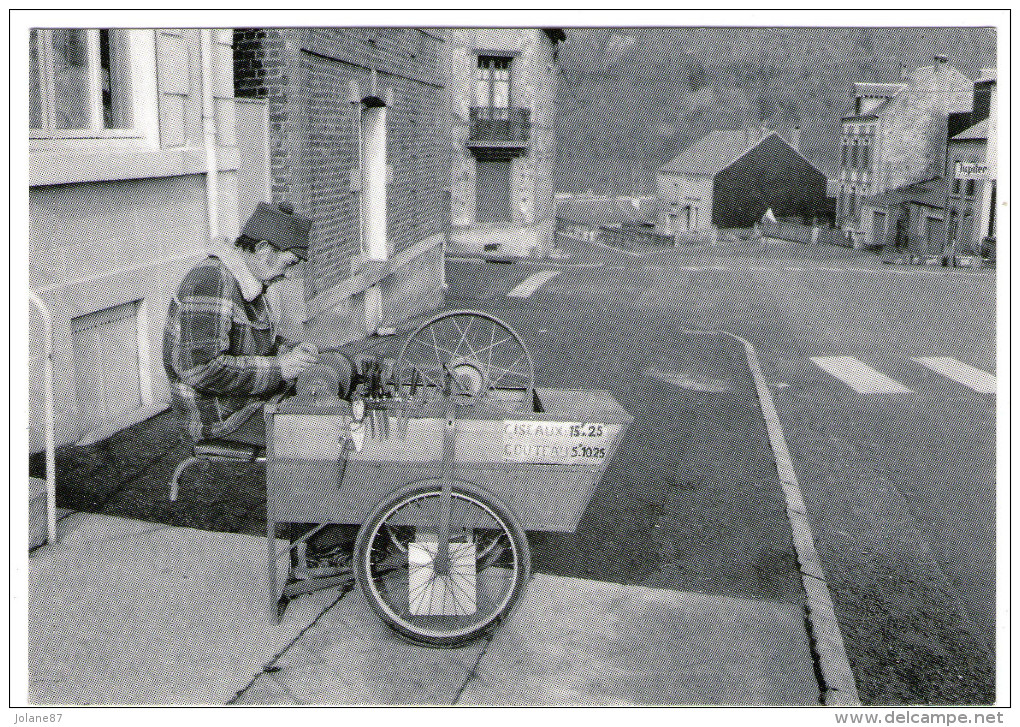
(806, 234)
(628, 237)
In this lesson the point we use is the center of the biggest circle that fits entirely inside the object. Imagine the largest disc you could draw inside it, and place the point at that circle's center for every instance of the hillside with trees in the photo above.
(631, 99)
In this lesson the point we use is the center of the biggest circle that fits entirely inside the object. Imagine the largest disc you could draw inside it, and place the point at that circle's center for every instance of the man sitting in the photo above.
(222, 355)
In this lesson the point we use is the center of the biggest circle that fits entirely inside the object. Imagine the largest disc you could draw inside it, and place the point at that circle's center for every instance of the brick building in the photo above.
(729, 178)
(132, 168)
(356, 138)
(503, 124)
(896, 135)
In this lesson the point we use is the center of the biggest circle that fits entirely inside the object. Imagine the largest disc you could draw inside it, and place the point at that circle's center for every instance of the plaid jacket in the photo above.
(219, 346)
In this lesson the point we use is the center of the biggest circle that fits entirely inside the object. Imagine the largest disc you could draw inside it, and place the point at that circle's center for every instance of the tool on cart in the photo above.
(477, 456)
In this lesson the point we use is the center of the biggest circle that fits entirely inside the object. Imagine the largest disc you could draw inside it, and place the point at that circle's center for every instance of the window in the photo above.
(956, 185)
(853, 157)
(80, 84)
(842, 157)
(970, 188)
(865, 156)
(492, 83)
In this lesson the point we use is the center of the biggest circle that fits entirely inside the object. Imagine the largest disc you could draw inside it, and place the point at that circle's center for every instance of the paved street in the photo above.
(895, 455)
(881, 379)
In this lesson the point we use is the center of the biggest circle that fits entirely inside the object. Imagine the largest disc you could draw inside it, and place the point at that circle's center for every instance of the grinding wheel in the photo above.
(318, 381)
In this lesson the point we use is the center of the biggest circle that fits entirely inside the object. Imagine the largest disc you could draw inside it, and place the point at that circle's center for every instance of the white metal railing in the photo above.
(51, 474)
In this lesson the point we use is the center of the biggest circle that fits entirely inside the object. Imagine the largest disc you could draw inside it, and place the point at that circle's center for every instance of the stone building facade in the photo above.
(896, 135)
(358, 141)
(503, 125)
(127, 184)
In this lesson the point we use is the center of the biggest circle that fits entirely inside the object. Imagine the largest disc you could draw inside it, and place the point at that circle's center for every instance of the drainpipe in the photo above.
(209, 131)
(51, 472)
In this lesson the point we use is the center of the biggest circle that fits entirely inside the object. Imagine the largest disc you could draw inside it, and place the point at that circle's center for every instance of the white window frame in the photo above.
(144, 133)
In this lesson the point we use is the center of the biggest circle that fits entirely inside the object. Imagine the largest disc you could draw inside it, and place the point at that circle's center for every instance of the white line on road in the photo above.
(859, 376)
(976, 379)
(532, 283)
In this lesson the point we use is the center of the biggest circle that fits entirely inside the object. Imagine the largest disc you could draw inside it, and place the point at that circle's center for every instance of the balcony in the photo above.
(494, 129)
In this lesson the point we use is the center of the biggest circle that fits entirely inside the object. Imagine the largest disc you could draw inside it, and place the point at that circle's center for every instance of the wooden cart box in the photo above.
(544, 464)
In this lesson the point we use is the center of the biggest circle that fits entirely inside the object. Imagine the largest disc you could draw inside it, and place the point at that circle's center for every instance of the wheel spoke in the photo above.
(449, 340)
(463, 336)
(438, 348)
(454, 607)
(509, 371)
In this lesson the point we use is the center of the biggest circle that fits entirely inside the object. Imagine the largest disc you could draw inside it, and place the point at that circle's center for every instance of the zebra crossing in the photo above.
(865, 379)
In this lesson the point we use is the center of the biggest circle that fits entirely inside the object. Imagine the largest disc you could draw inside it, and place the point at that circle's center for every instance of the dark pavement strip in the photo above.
(690, 502)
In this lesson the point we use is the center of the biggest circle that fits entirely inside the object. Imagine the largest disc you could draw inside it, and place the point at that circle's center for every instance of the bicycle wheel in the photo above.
(471, 356)
(489, 564)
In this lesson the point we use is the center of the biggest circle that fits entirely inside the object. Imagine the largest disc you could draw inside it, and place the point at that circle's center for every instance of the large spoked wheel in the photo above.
(395, 563)
(471, 356)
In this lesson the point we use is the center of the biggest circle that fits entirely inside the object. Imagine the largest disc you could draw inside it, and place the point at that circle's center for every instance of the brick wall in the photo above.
(309, 78)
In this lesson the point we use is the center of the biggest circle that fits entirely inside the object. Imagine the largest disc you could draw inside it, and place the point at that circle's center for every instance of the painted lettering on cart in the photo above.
(555, 442)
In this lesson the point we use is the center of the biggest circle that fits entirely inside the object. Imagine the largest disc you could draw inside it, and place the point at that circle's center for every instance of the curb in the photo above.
(839, 688)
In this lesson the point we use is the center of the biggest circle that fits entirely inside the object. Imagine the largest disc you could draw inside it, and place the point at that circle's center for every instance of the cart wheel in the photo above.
(469, 355)
(394, 562)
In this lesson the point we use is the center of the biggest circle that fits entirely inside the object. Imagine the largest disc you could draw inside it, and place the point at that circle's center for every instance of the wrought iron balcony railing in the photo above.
(500, 127)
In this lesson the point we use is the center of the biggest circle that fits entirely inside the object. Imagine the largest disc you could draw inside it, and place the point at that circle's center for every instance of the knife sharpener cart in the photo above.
(464, 457)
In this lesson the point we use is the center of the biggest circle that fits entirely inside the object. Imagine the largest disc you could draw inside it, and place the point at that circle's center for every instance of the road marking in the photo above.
(859, 376)
(976, 379)
(532, 283)
(838, 681)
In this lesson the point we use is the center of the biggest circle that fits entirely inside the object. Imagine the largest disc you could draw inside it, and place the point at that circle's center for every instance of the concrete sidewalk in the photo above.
(128, 612)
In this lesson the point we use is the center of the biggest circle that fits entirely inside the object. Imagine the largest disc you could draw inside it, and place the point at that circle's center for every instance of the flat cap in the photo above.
(281, 227)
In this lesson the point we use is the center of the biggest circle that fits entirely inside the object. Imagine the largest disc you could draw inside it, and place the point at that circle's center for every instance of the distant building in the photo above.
(731, 177)
(896, 135)
(503, 105)
(354, 134)
(952, 212)
(126, 186)
(970, 169)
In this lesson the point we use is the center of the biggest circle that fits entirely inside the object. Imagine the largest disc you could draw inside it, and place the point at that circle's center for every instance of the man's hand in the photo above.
(294, 362)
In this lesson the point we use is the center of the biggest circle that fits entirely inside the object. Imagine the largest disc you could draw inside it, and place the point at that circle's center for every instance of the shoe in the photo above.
(334, 561)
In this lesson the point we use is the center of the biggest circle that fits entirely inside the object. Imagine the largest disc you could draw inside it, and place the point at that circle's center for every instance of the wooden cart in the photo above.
(463, 456)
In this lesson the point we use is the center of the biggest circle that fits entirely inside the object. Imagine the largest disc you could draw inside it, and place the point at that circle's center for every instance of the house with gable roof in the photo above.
(729, 178)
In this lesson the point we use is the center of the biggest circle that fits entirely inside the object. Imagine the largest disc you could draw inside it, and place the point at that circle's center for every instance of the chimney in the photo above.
(941, 61)
(795, 137)
(903, 71)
